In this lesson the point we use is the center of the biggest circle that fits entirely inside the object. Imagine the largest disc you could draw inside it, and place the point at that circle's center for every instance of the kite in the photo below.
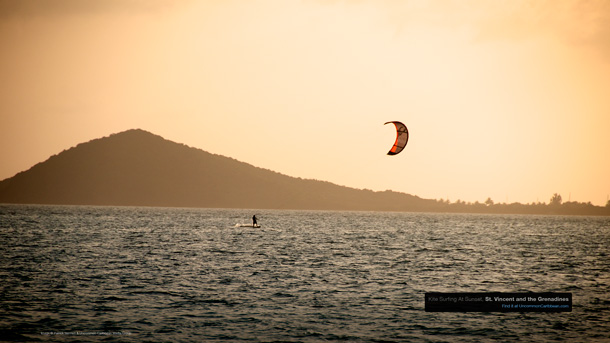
(402, 136)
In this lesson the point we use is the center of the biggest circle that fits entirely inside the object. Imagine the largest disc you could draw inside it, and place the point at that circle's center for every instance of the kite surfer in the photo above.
(254, 223)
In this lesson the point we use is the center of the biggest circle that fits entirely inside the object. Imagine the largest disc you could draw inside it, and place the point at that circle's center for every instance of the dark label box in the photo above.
(498, 302)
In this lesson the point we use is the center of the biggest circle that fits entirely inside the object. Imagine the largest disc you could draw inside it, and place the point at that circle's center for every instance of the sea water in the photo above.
(193, 275)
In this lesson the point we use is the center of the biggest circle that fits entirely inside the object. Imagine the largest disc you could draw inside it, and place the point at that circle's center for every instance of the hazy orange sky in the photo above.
(503, 99)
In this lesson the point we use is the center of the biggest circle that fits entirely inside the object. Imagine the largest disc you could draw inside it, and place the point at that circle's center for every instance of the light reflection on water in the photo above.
(192, 275)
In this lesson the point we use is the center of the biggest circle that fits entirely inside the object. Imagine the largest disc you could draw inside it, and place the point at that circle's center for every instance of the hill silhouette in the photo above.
(138, 168)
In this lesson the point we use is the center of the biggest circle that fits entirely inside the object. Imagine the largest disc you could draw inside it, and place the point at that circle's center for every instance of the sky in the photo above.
(508, 100)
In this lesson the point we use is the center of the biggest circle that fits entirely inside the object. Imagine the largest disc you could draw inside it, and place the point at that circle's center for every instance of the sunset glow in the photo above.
(508, 100)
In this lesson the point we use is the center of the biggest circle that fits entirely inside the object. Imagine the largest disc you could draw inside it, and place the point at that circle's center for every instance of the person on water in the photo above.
(254, 223)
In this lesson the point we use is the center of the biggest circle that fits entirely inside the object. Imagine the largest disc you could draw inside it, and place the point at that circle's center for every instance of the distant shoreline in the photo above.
(567, 209)
(138, 168)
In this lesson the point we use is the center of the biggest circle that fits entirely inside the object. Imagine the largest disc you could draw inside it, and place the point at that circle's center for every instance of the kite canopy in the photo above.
(402, 136)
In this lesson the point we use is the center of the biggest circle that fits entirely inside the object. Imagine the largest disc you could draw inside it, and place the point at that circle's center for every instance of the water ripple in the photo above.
(153, 274)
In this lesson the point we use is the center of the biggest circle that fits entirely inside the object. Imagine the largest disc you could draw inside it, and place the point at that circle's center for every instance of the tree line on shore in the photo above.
(555, 206)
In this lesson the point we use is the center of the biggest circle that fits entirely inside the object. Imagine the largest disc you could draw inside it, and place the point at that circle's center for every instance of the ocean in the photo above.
(79, 273)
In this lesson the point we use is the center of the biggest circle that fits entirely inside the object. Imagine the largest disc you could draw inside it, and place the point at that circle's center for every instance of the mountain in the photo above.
(138, 168)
